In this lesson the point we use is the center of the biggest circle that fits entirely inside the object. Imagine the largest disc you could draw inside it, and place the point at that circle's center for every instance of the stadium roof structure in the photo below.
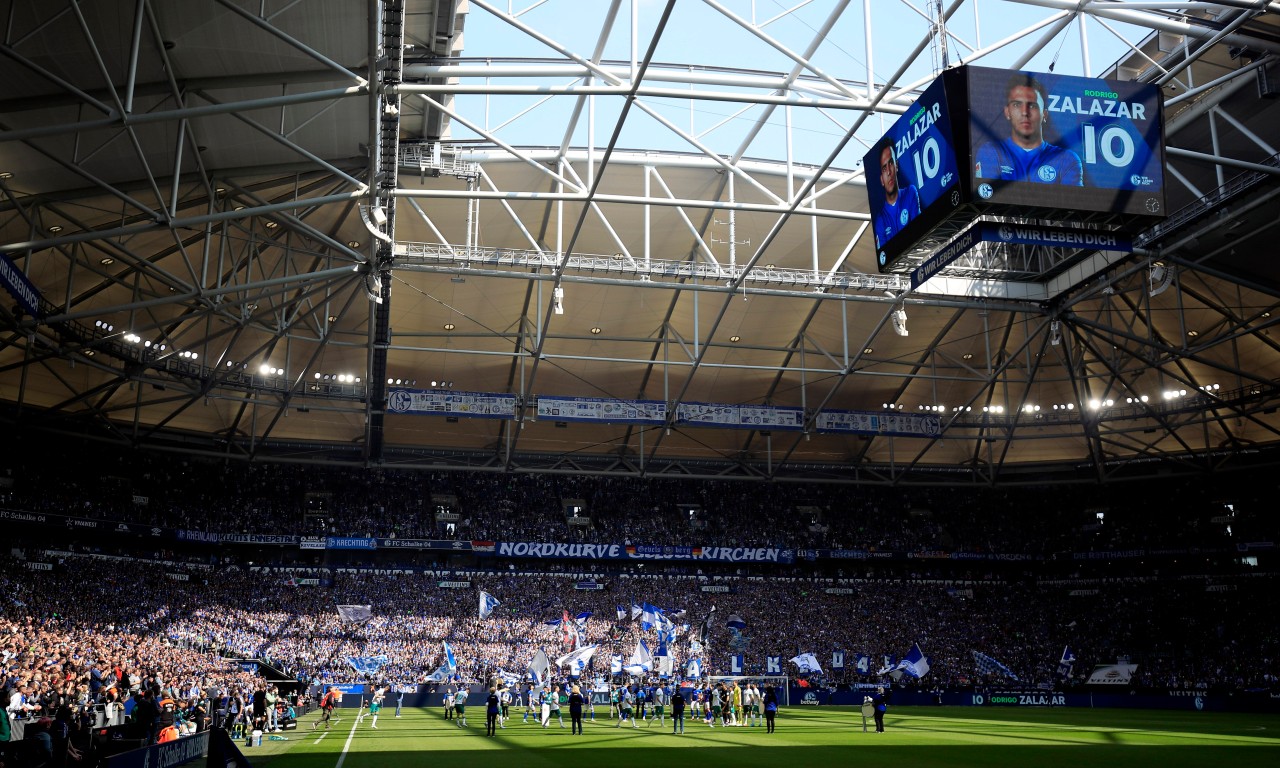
(251, 226)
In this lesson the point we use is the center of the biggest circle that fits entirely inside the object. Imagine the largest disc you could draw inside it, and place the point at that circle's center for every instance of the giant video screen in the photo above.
(1067, 143)
(909, 169)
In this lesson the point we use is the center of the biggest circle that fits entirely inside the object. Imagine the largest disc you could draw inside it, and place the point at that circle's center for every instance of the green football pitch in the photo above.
(830, 736)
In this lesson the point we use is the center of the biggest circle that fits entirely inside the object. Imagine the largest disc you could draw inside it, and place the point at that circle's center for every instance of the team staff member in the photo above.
(770, 700)
(1024, 155)
(677, 711)
(575, 710)
(881, 702)
(327, 704)
(491, 709)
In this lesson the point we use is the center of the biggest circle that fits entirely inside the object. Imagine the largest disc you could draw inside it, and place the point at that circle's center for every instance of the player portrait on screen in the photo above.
(1024, 155)
(901, 203)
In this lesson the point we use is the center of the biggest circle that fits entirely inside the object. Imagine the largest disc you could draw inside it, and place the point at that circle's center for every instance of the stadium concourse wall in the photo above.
(1172, 699)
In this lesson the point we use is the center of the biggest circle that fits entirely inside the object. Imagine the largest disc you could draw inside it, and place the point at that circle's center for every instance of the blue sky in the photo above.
(699, 35)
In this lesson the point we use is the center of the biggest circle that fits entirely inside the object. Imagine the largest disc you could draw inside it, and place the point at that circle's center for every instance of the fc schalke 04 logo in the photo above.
(985, 191)
(883, 258)
(1005, 233)
(1047, 173)
(902, 217)
(400, 400)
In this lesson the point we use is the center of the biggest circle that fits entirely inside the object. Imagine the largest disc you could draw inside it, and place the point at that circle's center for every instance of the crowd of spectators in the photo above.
(94, 631)
(232, 497)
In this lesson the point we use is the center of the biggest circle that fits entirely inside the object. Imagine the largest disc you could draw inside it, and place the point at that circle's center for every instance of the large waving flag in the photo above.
(1066, 663)
(693, 670)
(354, 614)
(704, 632)
(636, 610)
(487, 603)
(641, 660)
(510, 679)
(622, 613)
(807, 663)
(989, 666)
(615, 664)
(649, 616)
(450, 660)
(577, 660)
(539, 666)
(914, 663)
(735, 622)
(440, 675)
(366, 665)
(581, 619)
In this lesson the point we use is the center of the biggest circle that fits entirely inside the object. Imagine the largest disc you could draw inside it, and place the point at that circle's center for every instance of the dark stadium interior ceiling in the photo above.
(206, 195)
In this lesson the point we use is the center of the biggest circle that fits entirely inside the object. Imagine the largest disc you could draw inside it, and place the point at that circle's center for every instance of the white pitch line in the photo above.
(342, 757)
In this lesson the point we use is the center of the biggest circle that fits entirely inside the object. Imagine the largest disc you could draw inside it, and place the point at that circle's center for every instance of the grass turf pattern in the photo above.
(829, 737)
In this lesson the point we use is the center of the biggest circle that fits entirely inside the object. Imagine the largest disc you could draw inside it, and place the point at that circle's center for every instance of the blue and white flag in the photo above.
(989, 666)
(577, 660)
(837, 661)
(735, 622)
(694, 646)
(649, 616)
(773, 665)
(622, 613)
(636, 610)
(615, 665)
(735, 664)
(440, 675)
(450, 660)
(641, 660)
(663, 662)
(353, 614)
(539, 667)
(366, 665)
(914, 663)
(807, 663)
(889, 665)
(693, 670)
(487, 603)
(1066, 663)
(581, 619)
(862, 663)
(510, 679)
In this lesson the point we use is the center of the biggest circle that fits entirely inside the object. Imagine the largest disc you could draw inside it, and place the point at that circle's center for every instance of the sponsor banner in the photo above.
(1220, 588)
(939, 261)
(80, 524)
(588, 585)
(307, 582)
(177, 577)
(141, 501)
(19, 287)
(349, 542)
(311, 542)
(1082, 593)
(169, 754)
(454, 585)
(740, 416)
(483, 547)
(26, 517)
(200, 536)
(345, 688)
(39, 566)
(717, 588)
(840, 591)
(1112, 674)
(1020, 699)
(424, 544)
(598, 409)
(620, 552)
(443, 403)
(866, 423)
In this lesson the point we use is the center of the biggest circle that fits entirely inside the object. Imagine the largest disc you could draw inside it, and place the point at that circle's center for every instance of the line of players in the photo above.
(729, 705)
